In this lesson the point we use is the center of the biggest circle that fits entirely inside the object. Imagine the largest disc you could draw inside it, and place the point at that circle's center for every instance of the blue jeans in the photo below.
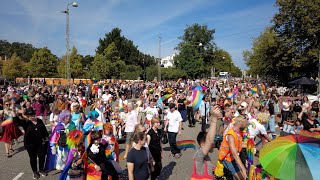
(183, 115)
(172, 137)
(272, 123)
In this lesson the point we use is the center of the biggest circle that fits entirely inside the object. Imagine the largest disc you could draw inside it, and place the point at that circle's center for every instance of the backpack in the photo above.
(62, 142)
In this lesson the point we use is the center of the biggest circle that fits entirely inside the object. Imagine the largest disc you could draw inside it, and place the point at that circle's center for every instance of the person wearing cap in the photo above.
(173, 123)
(35, 141)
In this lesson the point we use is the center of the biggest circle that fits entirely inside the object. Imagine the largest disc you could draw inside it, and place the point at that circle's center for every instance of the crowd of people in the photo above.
(88, 120)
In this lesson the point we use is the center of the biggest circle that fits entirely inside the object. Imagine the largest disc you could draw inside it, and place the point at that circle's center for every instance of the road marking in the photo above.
(18, 176)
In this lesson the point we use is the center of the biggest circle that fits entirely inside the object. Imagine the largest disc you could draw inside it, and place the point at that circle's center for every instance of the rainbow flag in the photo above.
(160, 100)
(109, 154)
(7, 121)
(310, 134)
(15, 96)
(196, 99)
(230, 95)
(98, 126)
(251, 173)
(92, 173)
(87, 140)
(250, 151)
(185, 144)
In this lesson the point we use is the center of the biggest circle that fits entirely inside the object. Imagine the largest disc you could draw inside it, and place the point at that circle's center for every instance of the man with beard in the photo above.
(231, 146)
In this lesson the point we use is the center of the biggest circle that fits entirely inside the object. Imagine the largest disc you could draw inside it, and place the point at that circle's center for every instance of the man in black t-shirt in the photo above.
(182, 107)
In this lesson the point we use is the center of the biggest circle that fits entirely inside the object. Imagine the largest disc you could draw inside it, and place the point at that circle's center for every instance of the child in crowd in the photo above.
(288, 125)
(298, 127)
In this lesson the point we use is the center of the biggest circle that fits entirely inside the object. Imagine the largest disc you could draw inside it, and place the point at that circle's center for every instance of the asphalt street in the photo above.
(18, 167)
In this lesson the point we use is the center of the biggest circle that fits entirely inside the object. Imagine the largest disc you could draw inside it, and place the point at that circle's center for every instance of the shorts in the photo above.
(129, 137)
(231, 166)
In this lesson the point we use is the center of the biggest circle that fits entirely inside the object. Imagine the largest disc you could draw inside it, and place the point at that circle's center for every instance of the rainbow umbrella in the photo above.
(292, 157)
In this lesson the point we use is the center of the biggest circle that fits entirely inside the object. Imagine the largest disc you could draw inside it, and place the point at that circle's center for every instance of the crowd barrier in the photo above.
(62, 81)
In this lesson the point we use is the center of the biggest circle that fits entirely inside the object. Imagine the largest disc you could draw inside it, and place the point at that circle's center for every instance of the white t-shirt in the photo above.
(151, 112)
(174, 119)
(54, 118)
(255, 128)
(131, 121)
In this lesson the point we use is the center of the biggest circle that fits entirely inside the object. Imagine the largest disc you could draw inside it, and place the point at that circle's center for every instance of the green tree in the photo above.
(100, 67)
(133, 72)
(195, 50)
(43, 63)
(13, 67)
(267, 57)
(126, 50)
(23, 50)
(104, 65)
(76, 65)
(297, 25)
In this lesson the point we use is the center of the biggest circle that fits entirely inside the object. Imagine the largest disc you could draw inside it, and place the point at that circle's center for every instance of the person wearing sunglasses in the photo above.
(11, 131)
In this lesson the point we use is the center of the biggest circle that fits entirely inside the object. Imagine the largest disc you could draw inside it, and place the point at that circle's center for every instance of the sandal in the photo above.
(171, 155)
(11, 150)
(9, 155)
(177, 156)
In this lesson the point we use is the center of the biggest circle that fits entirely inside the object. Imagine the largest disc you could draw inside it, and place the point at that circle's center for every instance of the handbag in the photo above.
(1, 127)
(164, 139)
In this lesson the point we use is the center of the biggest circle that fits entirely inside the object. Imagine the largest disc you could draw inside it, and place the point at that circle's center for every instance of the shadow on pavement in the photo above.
(167, 171)
(18, 150)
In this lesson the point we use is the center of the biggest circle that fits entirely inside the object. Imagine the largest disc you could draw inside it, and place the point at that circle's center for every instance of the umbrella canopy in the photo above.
(303, 81)
(292, 157)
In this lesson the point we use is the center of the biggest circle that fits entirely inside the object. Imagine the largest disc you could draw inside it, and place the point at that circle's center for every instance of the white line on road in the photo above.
(18, 176)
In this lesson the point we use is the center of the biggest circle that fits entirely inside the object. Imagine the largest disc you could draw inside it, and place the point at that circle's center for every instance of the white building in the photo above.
(167, 61)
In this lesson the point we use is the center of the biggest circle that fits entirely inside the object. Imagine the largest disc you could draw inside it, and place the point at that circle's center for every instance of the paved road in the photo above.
(18, 166)
(173, 168)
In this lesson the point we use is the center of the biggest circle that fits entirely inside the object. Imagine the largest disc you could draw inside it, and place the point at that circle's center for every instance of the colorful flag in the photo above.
(15, 96)
(250, 151)
(92, 173)
(7, 121)
(196, 99)
(184, 144)
(88, 125)
(160, 100)
(98, 125)
(230, 95)
(87, 140)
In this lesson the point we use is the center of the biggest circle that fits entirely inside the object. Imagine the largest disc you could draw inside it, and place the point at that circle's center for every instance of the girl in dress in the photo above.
(11, 130)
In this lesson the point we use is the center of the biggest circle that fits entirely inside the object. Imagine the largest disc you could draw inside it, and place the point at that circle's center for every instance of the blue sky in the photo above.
(41, 23)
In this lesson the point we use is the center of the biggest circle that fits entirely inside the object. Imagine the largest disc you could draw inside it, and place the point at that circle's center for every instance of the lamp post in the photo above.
(67, 73)
(144, 70)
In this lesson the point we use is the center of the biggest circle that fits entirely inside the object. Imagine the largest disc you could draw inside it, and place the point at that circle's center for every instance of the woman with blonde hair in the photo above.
(11, 130)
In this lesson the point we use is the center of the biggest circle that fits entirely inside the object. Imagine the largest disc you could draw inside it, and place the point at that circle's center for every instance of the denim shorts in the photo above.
(231, 166)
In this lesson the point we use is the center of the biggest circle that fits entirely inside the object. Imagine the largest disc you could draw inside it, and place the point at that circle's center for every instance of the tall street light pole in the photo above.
(67, 67)
(159, 61)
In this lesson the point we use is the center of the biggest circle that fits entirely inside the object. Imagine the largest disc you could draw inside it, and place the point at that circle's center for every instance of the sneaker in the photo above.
(36, 175)
(43, 173)
(171, 155)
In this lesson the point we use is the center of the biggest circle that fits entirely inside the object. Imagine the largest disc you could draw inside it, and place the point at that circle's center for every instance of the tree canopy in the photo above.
(290, 47)
(198, 53)
(23, 50)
